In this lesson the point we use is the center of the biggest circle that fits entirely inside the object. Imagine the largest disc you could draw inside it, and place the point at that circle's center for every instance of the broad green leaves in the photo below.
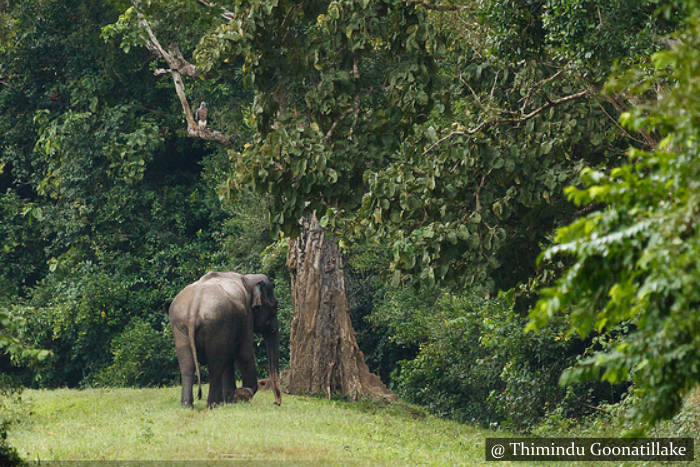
(9, 343)
(353, 114)
(103, 203)
(124, 142)
(337, 86)
(636, 261)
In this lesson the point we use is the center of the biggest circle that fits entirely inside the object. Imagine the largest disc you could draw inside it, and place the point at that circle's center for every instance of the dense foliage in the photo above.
(636, 265)
(476, 363)
(107, 209)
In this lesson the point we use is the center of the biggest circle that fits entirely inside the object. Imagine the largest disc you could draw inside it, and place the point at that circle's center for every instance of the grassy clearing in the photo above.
(148, 424)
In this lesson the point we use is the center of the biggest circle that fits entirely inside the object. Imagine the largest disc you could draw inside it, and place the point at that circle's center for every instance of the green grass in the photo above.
(149, 424)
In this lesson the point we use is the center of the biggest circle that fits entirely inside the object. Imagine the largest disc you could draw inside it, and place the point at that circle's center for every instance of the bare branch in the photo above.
(355, 115)
(476, 96)
(209, 135)
(355, 109)
(581, 212)
(617, 124)
(182, 65)
(180, 90)
(152, 42)
(493, 88)
(460, 133)
(596, 408)
(495, 121)
(477, 193)
(179, 66)
(347, 111)
(356, 65)
(538, 84)
(163, 71)
(549, 104)
(620, 105)
(173, 55)
(194, 130)
(4, 82)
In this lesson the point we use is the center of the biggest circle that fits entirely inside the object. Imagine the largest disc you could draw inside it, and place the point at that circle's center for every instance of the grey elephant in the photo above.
(213, 322)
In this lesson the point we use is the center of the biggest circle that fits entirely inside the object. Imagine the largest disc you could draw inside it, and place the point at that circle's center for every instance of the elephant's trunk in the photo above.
(272, 344)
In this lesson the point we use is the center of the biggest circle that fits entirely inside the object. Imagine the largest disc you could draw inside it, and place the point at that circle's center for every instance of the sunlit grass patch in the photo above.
(149, 424)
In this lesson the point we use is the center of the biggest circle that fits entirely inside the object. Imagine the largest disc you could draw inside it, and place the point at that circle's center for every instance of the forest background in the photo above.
(514, 186)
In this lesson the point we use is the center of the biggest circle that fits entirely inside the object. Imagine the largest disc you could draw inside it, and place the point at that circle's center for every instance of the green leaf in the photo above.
(332, 175)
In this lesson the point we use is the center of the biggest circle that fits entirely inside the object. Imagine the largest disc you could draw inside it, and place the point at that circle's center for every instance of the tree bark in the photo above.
(324, 356)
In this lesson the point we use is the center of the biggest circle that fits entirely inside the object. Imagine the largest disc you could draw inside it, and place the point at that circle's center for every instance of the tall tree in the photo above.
(337, 86)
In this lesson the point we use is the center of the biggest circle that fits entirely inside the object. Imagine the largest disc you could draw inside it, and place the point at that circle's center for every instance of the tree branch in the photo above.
(617, 124)
(526, 99)
(595, 408)
(433, 6)
(550, 103)
(355, 109)
(458, 133)
(495, 121)
(621, 106)
(330, 131)
(179, 66)
(477, 193)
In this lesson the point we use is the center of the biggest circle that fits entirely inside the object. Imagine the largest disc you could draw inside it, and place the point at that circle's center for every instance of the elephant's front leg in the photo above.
(228, 383)
(216, 386)
(246, 365)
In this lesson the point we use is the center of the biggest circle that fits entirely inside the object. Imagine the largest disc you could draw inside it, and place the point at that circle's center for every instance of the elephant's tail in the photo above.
(190, 336)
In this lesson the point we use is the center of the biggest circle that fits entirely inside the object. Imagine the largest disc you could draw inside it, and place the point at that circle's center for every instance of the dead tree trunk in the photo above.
(324, 356)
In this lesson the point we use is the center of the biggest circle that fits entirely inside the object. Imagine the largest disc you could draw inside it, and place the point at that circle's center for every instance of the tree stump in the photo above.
(324, 356)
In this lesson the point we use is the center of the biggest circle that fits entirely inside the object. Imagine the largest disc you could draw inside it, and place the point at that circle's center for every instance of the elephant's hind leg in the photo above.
(186, 362)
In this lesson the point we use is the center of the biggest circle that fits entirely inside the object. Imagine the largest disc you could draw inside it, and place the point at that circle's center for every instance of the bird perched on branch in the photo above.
(201, 115)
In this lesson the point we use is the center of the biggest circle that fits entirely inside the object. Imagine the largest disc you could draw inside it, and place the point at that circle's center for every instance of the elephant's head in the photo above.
(263, 305)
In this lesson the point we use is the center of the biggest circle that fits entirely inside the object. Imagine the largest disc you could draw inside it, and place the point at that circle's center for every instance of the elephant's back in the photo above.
(215, 300)
(221, 300)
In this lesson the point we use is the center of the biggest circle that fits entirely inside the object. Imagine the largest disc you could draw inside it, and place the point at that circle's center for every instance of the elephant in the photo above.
(213, 321)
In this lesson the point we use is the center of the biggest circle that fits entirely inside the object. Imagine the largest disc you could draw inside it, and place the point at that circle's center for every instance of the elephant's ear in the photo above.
(257, 295)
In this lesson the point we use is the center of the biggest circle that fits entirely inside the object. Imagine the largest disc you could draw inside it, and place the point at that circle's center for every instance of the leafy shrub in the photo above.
(476, 363)
(453, 374)
(90, 294)
(613, 419)
(364, 286)
(142, 356)
(76, 317)
(9, 392)
(12, 350)
(685, 424)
